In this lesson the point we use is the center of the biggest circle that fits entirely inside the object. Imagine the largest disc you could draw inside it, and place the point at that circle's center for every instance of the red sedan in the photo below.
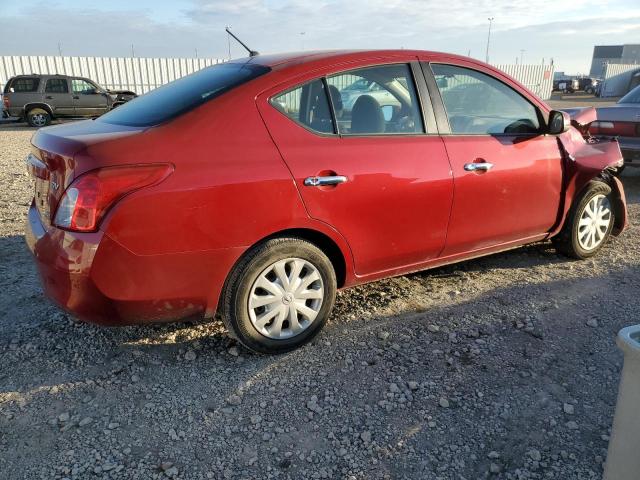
(258, 187)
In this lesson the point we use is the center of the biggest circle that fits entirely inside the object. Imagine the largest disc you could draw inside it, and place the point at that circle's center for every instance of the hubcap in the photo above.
(594, 222)
(285, 298)
(39, 119)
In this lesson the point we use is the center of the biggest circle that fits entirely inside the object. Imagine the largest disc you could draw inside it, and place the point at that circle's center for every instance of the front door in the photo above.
(507, 173)
(363, 163)
(58, 96)
(89, 101)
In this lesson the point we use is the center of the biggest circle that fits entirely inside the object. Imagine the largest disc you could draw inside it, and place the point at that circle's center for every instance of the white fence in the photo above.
(537, 78)
(617, 78)
(137, 74)
(144, 74)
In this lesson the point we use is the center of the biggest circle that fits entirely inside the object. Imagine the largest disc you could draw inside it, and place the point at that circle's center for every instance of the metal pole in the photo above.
(521, 56)
(302, 37)
(488, 39)
(59, 49)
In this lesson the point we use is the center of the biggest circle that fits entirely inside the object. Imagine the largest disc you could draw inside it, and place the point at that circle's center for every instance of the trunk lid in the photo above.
(59, 154)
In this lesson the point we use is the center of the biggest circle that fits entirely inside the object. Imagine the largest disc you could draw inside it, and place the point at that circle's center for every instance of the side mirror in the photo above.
(92, 91)
(559, 122)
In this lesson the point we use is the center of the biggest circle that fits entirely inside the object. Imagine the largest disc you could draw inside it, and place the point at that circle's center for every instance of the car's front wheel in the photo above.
(589, 222)
(38, 117)
(279, 295)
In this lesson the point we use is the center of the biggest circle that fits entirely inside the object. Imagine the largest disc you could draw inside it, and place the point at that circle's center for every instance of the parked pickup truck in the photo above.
(38, 99)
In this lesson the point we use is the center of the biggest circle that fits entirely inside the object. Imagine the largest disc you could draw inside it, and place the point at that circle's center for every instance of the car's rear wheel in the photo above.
(589, 222)
(38, 117)
(279, 295)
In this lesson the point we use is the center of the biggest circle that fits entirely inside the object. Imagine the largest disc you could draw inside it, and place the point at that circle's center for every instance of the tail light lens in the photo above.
(89, 197)
(5, 101)
(601, 128)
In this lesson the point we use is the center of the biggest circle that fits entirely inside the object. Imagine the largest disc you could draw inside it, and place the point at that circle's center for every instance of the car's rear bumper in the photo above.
(99, 281)
(64, 263)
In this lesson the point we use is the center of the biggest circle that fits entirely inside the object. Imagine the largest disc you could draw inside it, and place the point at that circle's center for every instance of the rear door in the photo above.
(507, 173)
(89, 101)
(58, 96)
(365, 163)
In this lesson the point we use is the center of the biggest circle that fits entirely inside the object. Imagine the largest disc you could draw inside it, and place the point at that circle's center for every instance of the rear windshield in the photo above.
(22, 85)
(182, 95)
(632, 97)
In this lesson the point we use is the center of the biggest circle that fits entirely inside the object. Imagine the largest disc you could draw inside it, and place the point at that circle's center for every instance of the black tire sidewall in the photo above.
(595, 188)
(236, 296)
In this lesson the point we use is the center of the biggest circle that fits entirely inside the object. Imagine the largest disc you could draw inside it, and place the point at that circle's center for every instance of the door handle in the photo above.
(322, 181)
(49, 97)
(473, 167)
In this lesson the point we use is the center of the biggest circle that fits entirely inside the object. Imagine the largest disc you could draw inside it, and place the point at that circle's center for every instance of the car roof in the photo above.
(280, 60)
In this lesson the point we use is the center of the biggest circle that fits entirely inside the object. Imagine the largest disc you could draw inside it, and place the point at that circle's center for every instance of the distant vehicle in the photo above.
(242, 189)
(566, 85)
(622, 121)
(38, 99)
(589, 85)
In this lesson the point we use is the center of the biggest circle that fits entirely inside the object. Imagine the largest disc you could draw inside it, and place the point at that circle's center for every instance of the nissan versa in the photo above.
(257, 187)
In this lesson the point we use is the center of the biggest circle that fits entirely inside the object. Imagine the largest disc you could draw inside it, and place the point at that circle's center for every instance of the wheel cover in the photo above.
(39, 119)
(594, 222)
(286, 298)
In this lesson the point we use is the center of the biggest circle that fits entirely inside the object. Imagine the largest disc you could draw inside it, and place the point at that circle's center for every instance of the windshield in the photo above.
(632, 97)
(182, 95)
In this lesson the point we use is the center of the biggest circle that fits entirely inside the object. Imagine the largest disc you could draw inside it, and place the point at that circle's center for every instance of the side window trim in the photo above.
(441, 113)
(272, 98)
(425, 99)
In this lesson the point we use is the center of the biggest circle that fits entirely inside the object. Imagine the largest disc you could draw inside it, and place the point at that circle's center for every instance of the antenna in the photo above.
(252, 53)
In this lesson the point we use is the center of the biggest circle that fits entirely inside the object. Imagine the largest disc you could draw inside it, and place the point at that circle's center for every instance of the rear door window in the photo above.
(56, 85)
(376, 100)
(308, 106)
(183, 95)
(24, 85)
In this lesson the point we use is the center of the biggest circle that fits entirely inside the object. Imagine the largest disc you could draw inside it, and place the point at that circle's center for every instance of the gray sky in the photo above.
(563, 30)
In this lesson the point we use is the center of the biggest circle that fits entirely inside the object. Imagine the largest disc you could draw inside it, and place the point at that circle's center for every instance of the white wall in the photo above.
(137, 74)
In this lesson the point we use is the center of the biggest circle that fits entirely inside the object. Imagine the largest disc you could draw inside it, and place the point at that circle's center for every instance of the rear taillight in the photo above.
(5, 101)
(613, 129)
(89, 197)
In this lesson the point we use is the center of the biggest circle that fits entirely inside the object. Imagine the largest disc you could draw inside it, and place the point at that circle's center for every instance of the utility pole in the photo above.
(133, 53)
(488, 39)
(302, 38)
(59, 49)
(196, 53)
(521, 55)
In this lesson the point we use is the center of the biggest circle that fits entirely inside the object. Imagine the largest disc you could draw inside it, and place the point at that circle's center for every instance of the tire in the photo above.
(255, 279)
(38, 117)
(574, 240)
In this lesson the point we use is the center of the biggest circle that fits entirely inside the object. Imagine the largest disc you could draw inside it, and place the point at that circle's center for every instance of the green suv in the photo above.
(38, 99)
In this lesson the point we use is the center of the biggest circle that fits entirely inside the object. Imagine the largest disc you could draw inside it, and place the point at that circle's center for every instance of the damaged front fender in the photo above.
(586, 160)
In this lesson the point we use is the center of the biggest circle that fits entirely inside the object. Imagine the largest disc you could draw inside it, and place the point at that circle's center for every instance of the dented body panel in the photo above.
(587, 158)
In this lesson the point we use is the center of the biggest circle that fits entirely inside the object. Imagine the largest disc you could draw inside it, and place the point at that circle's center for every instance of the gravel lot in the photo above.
(503, 367)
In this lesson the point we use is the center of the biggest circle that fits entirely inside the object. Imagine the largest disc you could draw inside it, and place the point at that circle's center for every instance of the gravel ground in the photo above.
(503, 367)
